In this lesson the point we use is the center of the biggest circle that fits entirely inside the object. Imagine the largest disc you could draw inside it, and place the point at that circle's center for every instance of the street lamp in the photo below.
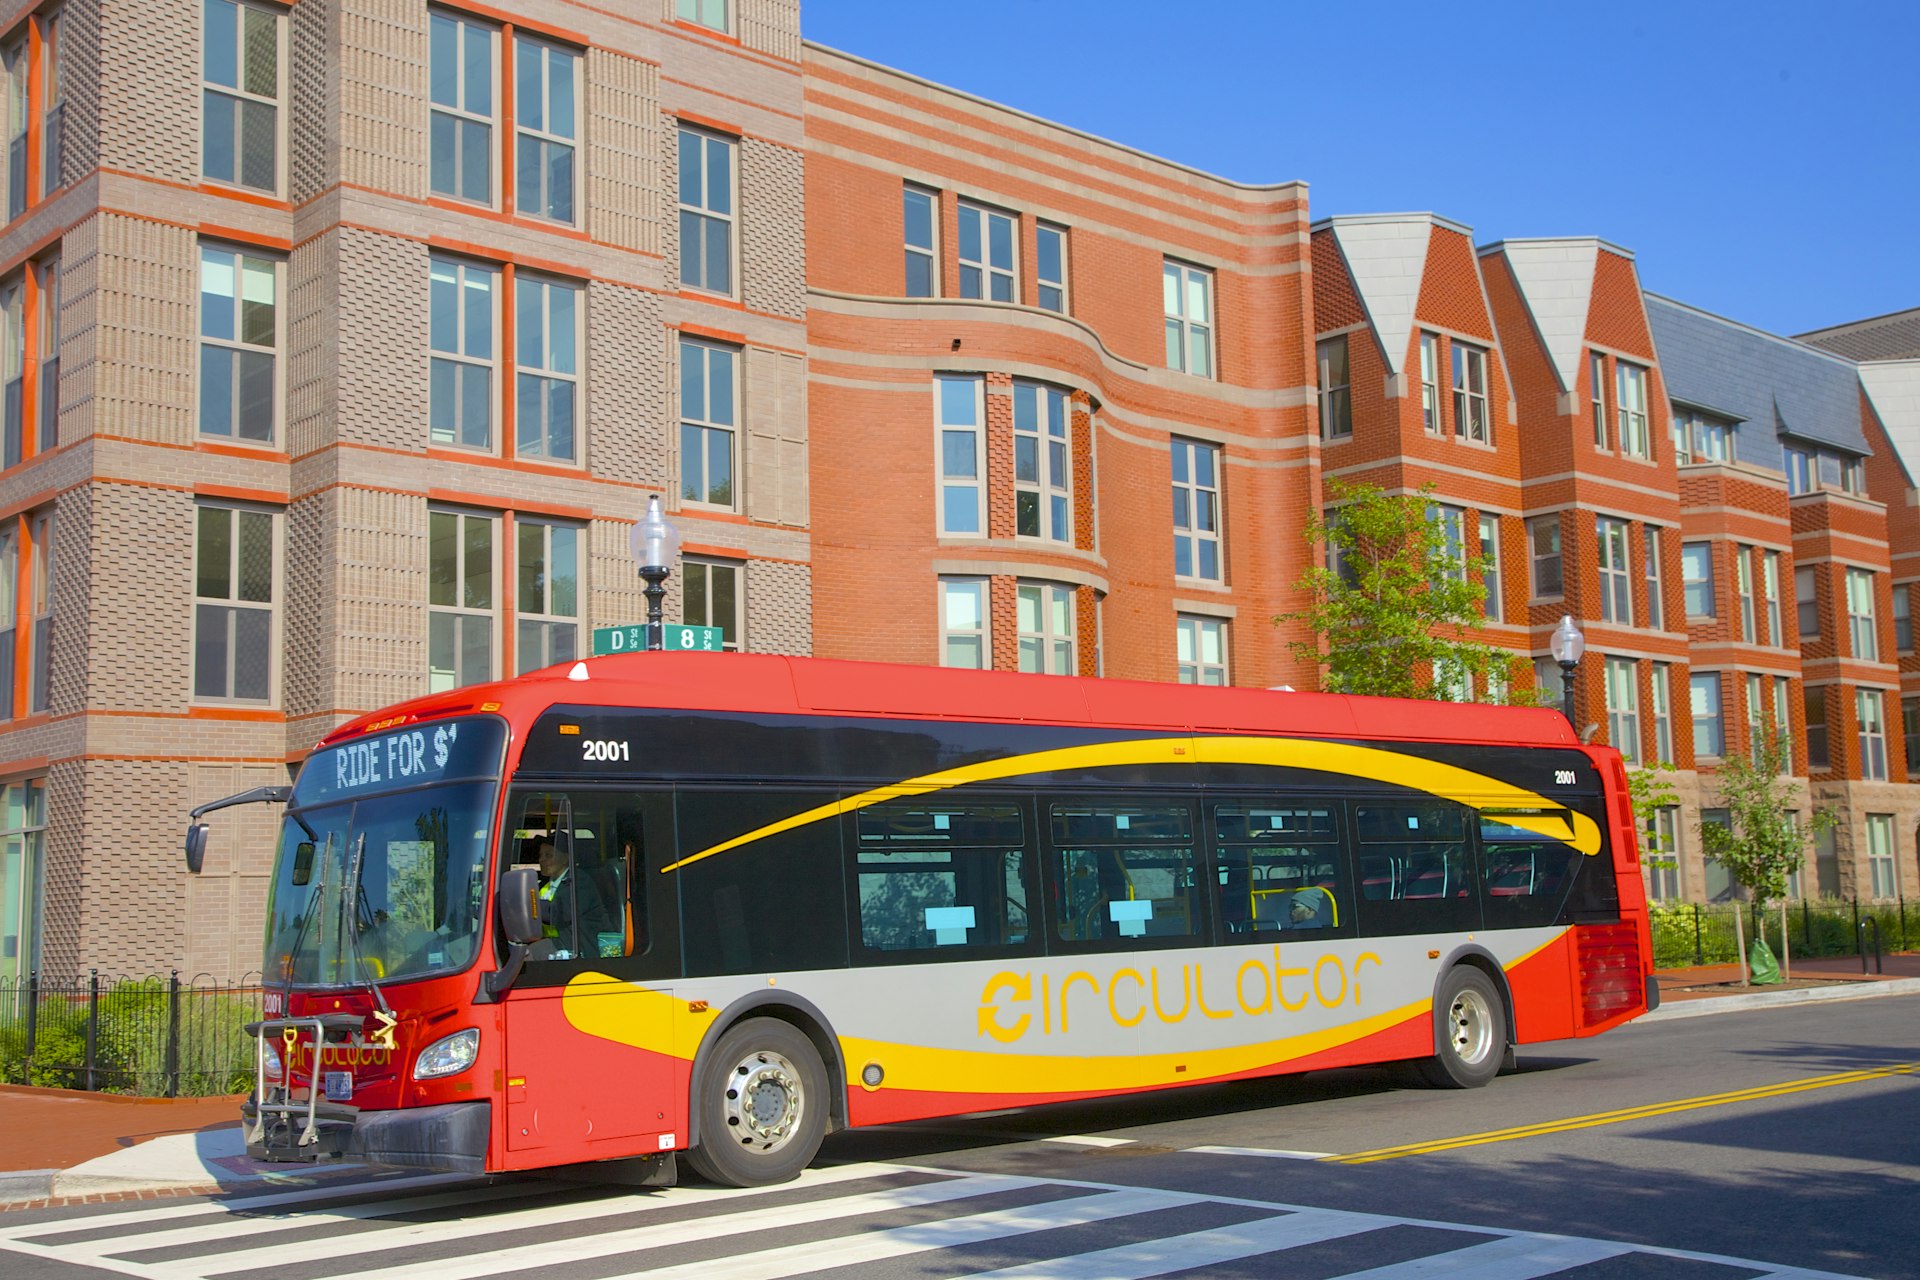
(1567, 644)
(654, 542)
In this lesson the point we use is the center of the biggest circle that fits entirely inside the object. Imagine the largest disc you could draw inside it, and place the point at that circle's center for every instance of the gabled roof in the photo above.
(1555, 279)
(1894, 388)
(1386, 256)
(1895, 336)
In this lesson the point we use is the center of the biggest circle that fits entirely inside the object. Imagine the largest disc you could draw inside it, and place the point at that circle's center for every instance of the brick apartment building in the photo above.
(345, 340)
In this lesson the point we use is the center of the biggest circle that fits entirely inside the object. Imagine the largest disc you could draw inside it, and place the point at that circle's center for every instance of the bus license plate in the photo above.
(339, 1085)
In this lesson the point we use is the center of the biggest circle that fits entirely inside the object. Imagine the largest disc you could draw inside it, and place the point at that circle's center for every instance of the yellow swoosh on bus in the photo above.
(1450, 782)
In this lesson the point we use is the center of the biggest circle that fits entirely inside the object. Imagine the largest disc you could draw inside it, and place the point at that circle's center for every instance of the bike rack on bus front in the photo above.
(342, 1027)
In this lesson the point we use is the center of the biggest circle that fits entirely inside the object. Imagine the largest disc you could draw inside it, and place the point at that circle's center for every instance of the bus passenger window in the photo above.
(1527, 866)
(1123, 872)
(940, 877)
(1279, 869)
(1415, 876)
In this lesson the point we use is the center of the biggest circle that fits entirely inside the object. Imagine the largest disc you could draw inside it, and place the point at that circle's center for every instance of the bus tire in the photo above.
(762, 1101)
(1470, 1032)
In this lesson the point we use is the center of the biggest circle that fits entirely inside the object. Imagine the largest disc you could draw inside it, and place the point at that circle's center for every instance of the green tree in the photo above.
(1651, 790)
(1400, 614)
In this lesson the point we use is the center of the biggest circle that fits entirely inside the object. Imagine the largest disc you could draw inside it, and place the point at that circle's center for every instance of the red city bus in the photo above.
(722, 904)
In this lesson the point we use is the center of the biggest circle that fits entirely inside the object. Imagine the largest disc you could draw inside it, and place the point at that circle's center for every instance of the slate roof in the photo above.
(1890, 337)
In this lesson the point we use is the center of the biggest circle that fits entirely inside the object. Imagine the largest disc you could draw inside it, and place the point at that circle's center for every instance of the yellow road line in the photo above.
(1647, 1111)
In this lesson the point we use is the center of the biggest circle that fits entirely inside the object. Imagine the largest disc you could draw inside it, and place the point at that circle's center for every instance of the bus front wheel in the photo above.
(763, 1106)
(1470, 1032)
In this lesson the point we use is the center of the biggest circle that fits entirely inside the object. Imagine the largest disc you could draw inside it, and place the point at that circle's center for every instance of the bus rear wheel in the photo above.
(763, 1106)
(1470, 1032)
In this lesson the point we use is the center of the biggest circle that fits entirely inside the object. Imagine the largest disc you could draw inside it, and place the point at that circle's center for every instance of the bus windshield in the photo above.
(382, 867)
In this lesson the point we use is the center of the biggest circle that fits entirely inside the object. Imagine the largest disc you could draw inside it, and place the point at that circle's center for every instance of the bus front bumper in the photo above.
(451, 1138)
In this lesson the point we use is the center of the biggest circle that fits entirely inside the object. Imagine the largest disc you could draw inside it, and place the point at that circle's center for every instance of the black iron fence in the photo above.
(1688, 933)
(160, 1037)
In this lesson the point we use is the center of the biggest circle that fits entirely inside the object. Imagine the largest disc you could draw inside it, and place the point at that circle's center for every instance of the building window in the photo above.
(1452, 522)
(1656, 606)
(241, 94)
(47, 340)
(53, 111)
(1336, 392)
(40, 589)
(14, 66)
(1663, 869)
(1630, 397)
(239, 341)
(1814, 698)
(1616, 571)
(1743, 588)
(1187, 293)
(23, 834)
(1783, 722)
(1196, 510)
(709, 409)
(9, 613)
(706, 13)
(1806, 602)
(546, 345)
(1696, 575)
(917, 206)
(461, 87)
(1543, 537)
(547, 594)
(1910, 732)
(1430, 383)
(1597, 375)
(1202, 646)
(1470, 417)
(1623, 708)
(1885, 882)
(1902, 619)
(235, 572)
(965, 638)
(1862, 632)
(1810, 468)
(1709, 735)
(960, 417)
(461, 572)
(461, 326)
(546, 114)
(987, 260)
(1490, 564)
(1770, 592)
(1756, 717)
(13, 364)
(1869, 707)
(1050, 266)
(1662, 713)
(706, 211)
(1042, 475)
(712, 598)
(1045, 615)
(1699, 437)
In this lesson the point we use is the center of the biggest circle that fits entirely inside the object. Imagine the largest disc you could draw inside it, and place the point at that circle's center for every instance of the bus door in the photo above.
(588, 1035)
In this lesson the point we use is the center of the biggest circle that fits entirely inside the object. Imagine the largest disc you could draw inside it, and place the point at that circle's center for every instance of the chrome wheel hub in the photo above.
(764, 1101)
(1470, 1027)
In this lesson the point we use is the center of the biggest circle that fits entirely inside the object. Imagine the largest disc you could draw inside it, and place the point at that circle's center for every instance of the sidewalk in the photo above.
(56, 1144)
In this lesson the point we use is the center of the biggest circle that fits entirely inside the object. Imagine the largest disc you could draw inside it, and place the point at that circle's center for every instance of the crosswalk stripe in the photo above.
(925, 1237)
(1513, 1258)
(239, 1204)
(554, 1253)
(1196, 1249)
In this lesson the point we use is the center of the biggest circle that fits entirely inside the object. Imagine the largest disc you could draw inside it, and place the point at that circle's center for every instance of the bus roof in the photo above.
(778, 685)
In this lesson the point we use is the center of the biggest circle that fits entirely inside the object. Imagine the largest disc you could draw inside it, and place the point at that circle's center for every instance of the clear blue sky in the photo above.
(1762, 160)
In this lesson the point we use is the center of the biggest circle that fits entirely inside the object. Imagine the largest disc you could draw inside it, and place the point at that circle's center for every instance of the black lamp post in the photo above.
(1567, 644)
(655, 542)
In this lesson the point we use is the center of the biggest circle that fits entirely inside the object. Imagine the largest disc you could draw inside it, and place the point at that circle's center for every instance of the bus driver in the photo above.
(570, 906)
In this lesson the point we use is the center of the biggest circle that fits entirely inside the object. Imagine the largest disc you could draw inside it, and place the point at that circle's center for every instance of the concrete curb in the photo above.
(26, 1184)
(1770, 999)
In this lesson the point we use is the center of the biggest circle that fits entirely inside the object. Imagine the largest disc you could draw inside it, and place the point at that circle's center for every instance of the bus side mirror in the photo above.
(196, 847)
(520, 906)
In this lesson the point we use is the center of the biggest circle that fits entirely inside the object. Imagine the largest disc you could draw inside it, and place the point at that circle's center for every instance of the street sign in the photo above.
(633, 638)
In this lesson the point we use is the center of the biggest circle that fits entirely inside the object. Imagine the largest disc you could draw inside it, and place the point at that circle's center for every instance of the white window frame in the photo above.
(956, 477)
(1813, 697)
(1043, 460)
(1597, 372)
(1185, 290)
(1490, 564)
(707, 428)
(244, 267)
(1902, 618)
(1200, 648)
(17, 121)
(231, 605)
(13, 369)
(1656, 603)
(1616, 570)
(462, 113)
(1044, 617)
(1756, 716)
(929, 253)
(1430, 411)
(1743, 589)
(959, 628)
(1662, 712)
(1539, 559)
(23, 847)
(1472, 415)
(699, 210)
(1882, 875)
(701, 14)
(1197, 515)
(1050, 292)
(697, 605)
(1704, 705)
(545, 136)
(244, 97)
(53, 100)
(1697, 586)
(1870, 716)
(41, 531)
(1770, 592)
(991, 278)
(540, 609)
(1630, 400)
(466, 352)
(1783, 721)
(1334, 359)
(459, 610)
(1664, 883)
(1863, 632)
(553, 366)
(1452, 521)
(1623, 707)
(1806, 601)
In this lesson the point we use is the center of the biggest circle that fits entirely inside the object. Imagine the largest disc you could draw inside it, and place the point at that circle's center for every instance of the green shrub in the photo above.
(215, 1054)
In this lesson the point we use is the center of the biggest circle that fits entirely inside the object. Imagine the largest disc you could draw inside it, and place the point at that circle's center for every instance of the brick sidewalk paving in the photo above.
(59, 1128)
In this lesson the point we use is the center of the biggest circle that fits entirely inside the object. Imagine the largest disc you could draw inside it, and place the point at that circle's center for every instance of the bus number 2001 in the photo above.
(602, 749)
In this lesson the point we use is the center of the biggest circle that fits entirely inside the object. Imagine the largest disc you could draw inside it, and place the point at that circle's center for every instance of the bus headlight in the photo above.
(448, 1057)
(273, 1069)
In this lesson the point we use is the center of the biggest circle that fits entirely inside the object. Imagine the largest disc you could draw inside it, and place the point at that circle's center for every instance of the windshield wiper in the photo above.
(314, 907)
(352, 893)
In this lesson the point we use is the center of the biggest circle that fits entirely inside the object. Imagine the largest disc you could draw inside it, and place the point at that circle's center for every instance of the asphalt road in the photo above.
(1790, 1136)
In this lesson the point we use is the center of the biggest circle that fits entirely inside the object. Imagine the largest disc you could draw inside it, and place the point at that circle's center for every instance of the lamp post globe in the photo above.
(1567, 644)
(654, 543)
